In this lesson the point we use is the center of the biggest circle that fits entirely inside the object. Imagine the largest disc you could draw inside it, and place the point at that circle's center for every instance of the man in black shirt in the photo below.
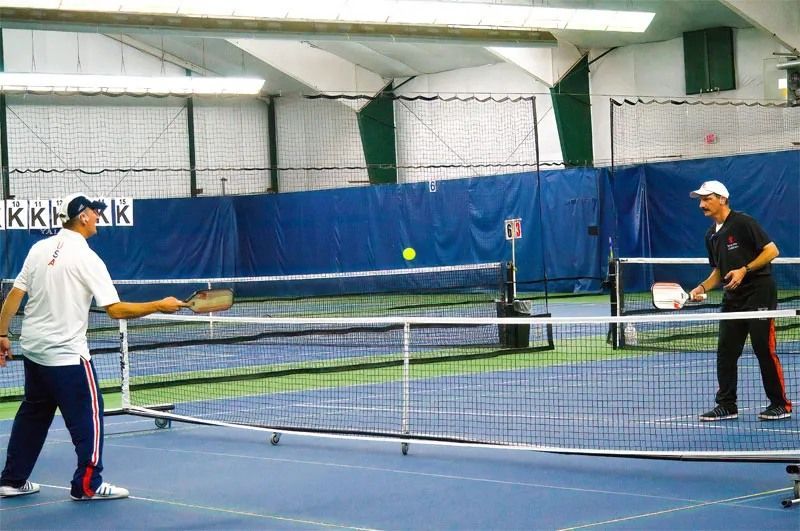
(740, 252)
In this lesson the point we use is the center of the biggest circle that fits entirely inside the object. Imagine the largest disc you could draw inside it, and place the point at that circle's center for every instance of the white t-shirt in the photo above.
(61, 274)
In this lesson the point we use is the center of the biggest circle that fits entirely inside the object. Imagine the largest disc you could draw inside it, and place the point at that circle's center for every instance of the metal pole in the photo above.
(539, 198)
(272, 134)
(123, 364)
(4, 133)
(193, 190)
(406, 415)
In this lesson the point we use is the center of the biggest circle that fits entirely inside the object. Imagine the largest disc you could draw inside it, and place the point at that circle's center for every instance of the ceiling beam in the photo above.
(67, 20)
(547, 65)
(316, 68)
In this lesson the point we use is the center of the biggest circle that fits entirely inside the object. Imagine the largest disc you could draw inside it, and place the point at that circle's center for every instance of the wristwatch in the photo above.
(747, 268)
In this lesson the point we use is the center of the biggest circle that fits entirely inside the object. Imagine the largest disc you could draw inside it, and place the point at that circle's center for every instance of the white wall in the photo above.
(113, 140)
(318, 133)
(498, 80)
(655, 70)
(234, 134)
(231, 133)
(467, 136)
(83, 146)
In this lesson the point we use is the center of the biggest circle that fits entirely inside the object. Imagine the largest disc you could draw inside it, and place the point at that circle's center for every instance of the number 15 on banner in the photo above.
(514, 229)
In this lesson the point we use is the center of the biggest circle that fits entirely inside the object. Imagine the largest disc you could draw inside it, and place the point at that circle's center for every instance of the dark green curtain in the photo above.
(376, 125)
(572, 109)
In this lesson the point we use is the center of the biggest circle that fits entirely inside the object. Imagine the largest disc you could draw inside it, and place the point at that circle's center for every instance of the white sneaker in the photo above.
(106, 491)
(28, 488)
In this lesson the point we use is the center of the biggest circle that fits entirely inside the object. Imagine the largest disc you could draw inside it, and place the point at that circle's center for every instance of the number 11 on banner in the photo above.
(513, 229)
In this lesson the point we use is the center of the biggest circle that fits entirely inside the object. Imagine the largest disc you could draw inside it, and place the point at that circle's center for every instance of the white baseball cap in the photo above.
(74, 204)
(710, 187)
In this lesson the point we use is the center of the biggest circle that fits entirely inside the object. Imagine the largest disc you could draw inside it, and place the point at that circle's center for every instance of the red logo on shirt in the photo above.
(55, 254)
(731, 240)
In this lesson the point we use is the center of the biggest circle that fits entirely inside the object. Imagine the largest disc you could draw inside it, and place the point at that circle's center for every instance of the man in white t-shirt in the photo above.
(61, 275)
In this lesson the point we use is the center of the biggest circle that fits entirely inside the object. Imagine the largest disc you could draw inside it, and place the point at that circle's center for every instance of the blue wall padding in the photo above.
(646, 209)
(631, 235)
(367, 228)
(571, 203)
(657, 218)
(765, 186)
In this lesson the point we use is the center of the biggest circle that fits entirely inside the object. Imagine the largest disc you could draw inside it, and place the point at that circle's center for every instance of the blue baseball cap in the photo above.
(74, 204)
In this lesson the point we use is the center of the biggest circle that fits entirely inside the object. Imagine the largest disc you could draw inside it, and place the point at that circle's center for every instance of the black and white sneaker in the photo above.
(775, 413)
(719, 413)
(6, 491)
(106, 491)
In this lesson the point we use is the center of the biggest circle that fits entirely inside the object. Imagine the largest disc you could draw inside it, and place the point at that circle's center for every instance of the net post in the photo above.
(510, 292)
(210, 323)
(406, 421)
(124, 365)
(614, 299)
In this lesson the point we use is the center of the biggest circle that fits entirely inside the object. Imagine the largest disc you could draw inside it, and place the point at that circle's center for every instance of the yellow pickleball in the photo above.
(409, 253)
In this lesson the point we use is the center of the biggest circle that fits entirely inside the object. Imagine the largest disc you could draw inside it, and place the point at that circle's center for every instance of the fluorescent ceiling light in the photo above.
(177, 86)
(446, 13)
(608, 20)
(507, 16)
(417, 12)
(587, 20)
(552, 17)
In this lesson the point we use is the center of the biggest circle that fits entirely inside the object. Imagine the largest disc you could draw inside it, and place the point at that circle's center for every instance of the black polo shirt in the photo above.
(736, 244)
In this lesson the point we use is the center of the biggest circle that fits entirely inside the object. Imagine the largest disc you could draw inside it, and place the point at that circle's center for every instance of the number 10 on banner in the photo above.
(514, 229)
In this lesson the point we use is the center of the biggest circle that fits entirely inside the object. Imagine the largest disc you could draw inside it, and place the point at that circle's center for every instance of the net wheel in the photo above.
(163, 423)
(275, 439)
(404, 448)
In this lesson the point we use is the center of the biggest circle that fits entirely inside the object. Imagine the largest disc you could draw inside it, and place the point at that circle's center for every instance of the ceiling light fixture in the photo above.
(135, 85)
(469, 14)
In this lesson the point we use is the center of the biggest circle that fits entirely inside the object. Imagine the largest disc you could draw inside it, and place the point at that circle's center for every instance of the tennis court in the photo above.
(210, 477)
(417, 242)
(569, 391)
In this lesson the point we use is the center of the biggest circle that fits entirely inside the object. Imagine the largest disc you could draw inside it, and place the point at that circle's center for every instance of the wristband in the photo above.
(702, 286)
(3, 335)
(747, 269)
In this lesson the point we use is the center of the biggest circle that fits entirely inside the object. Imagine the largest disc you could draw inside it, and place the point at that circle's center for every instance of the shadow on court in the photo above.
(189, 477)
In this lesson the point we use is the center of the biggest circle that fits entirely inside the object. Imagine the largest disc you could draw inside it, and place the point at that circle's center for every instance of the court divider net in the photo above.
(451, 380)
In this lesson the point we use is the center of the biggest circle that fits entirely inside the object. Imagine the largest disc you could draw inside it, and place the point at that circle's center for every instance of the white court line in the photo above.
(34, 505)
(253, 515)
(409, 473)
(204, 508)
(107, 424)
(676, 509)
(437, 476)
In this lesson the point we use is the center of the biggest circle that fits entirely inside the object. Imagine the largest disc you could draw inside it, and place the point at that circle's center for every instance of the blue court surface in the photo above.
(193, 477)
